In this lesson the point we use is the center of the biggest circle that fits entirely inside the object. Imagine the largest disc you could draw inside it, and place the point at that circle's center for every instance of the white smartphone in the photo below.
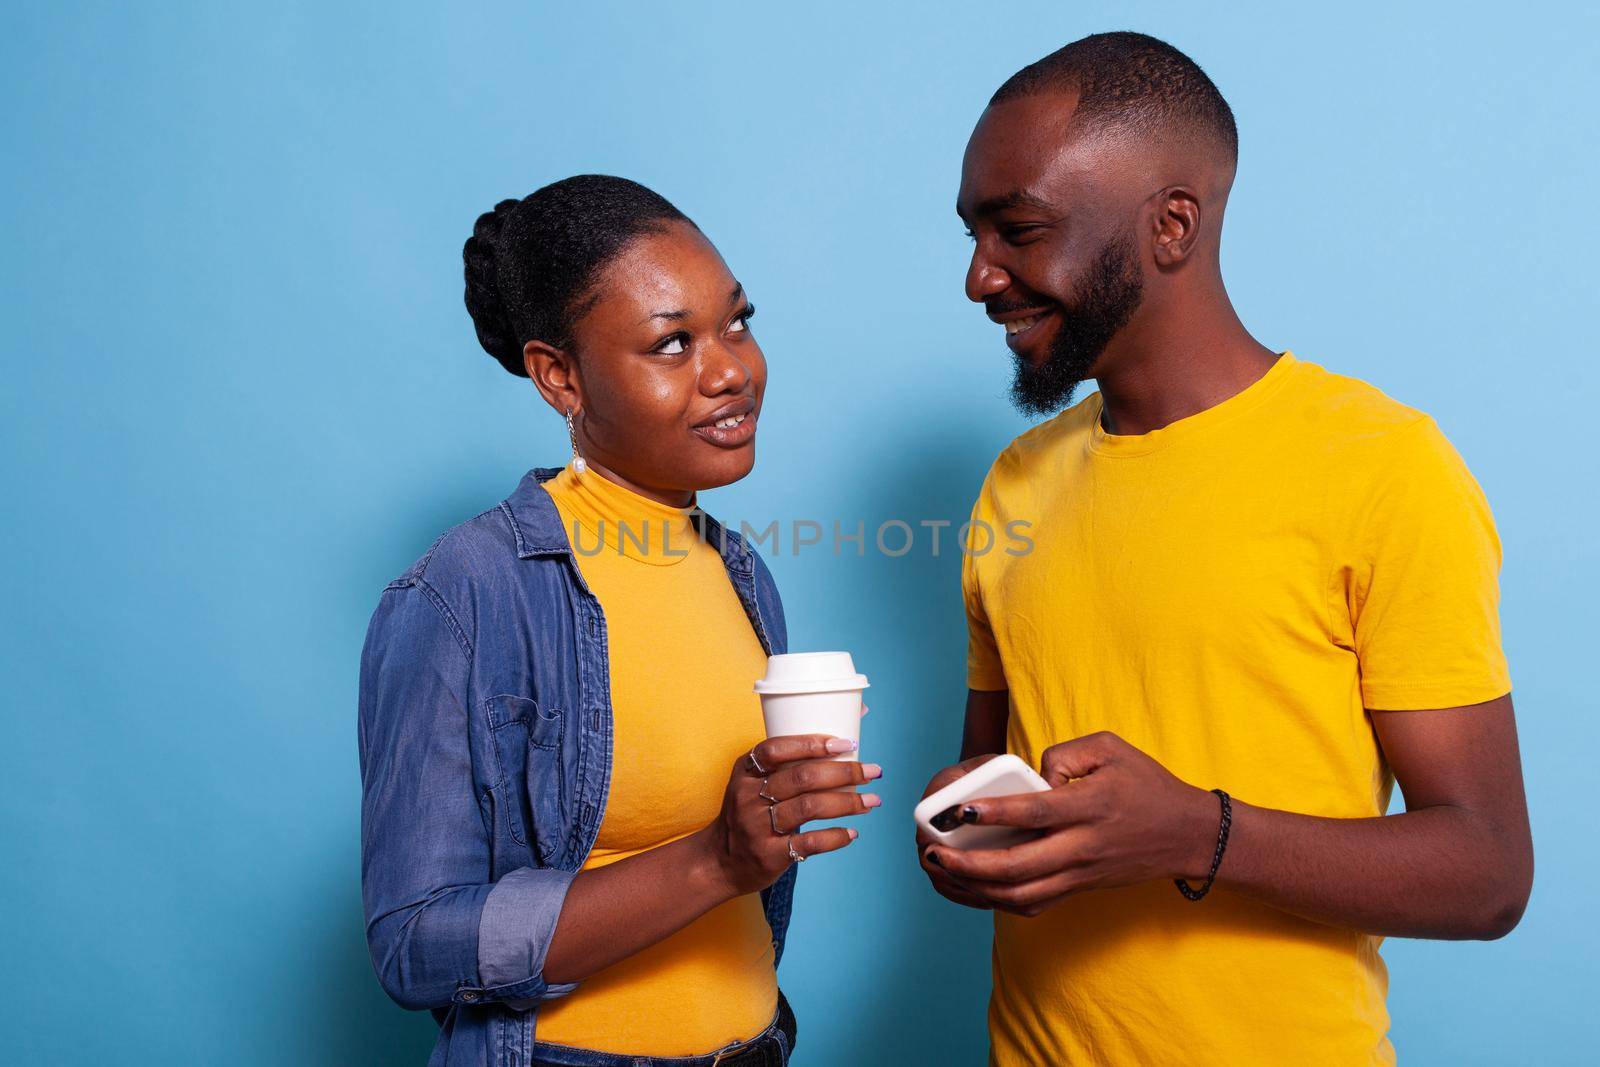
(939, 814)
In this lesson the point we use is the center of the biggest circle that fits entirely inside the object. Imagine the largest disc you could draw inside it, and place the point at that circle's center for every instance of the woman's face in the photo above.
(662, 374)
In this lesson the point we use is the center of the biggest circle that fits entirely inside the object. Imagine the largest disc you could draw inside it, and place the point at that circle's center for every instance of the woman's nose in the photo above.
(724, 372)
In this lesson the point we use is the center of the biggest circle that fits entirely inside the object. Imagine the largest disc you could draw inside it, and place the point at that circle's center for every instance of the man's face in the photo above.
(1054, 259)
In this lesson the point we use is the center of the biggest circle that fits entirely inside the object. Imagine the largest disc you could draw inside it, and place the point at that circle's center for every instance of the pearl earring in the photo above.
(578, 465)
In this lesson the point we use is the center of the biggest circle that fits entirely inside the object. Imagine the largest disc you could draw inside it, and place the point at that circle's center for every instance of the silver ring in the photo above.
(772, 817)
(793, 854)
(764, 795)
(755, 764)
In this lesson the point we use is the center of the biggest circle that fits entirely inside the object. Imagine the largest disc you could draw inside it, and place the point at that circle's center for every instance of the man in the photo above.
(1249, 575)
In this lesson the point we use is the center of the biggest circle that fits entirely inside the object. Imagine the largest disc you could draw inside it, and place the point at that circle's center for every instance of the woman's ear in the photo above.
(555, 374)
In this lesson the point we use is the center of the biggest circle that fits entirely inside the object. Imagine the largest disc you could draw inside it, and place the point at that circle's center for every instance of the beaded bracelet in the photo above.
(1216, 860)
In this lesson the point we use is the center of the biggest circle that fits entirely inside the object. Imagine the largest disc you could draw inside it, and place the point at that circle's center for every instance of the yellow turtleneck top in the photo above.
(683, 658)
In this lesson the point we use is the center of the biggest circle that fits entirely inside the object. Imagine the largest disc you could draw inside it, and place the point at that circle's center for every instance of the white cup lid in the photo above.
(810, 672)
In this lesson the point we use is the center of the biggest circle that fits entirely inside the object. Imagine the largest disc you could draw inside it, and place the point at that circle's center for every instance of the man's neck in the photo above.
(1160, 372)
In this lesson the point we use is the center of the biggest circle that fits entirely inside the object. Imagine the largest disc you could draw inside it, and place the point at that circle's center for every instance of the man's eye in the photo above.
(674, 345)
(1021, 234)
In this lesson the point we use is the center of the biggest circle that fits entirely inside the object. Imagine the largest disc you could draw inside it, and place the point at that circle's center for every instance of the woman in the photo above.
(556, 857)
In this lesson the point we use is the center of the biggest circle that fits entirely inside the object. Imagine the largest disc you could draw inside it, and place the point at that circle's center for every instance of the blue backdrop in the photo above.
(241, 393)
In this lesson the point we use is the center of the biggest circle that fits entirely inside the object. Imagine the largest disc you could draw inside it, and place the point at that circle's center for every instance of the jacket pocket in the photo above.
(527, 748)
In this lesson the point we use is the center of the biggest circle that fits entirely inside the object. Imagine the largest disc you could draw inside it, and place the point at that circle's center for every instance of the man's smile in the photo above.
(1024, 335)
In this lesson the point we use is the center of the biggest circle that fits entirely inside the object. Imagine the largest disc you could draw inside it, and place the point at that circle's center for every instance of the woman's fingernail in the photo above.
(839, 745)
(871, 770)
(969, 814)
(870, 800)
(853, 833)
(933, 858)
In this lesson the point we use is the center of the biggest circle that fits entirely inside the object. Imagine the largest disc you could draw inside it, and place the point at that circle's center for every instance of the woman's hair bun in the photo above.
(490, 317)
(529, 261)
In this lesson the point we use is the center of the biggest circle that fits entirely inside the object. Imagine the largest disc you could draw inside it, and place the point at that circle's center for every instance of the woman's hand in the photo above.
(790, 782)
(622, 908)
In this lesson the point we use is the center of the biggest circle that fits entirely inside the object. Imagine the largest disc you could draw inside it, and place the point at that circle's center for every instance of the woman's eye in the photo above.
(741, 321)
(673, 345)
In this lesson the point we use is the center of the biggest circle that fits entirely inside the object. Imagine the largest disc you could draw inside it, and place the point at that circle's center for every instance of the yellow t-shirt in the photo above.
(1228, 594)
(683, 660)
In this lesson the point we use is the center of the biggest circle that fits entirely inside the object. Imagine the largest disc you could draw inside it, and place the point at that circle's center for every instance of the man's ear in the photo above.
(1176, 225)
(555, 374)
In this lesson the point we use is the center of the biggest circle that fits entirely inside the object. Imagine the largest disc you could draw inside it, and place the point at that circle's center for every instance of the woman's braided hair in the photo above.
(530, 263)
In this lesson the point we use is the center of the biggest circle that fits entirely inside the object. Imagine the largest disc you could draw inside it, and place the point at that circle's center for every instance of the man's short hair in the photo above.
(1131, 80)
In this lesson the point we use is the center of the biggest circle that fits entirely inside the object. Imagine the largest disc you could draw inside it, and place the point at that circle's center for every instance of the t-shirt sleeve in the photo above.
(984, 671)
(1424, 592)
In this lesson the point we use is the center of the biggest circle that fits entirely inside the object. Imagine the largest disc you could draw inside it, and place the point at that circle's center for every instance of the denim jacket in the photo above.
(485, 736)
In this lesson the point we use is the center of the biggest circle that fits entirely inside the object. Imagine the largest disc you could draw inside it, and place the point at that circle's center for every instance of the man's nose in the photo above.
(985, 278)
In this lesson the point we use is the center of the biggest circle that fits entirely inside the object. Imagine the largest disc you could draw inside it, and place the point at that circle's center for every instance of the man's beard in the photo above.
(1108, 295)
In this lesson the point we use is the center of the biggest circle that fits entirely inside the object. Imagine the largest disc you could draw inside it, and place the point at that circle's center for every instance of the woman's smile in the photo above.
(732, 425)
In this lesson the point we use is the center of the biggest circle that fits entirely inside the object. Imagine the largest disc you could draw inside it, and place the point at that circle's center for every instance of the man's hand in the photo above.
(1113, 817)
(948, 887)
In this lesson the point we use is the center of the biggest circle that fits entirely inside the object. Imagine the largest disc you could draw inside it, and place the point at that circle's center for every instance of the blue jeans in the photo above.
(770, 1048)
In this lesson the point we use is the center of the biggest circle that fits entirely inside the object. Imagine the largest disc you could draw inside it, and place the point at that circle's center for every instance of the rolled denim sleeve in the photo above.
(438, 930)
(514, 932)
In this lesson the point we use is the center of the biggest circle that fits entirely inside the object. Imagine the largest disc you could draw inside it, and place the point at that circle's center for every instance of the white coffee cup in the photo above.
(813, 693)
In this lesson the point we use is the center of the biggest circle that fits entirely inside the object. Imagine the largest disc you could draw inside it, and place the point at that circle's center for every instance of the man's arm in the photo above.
(984, 731)
(983, 736)
(1458, 863)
